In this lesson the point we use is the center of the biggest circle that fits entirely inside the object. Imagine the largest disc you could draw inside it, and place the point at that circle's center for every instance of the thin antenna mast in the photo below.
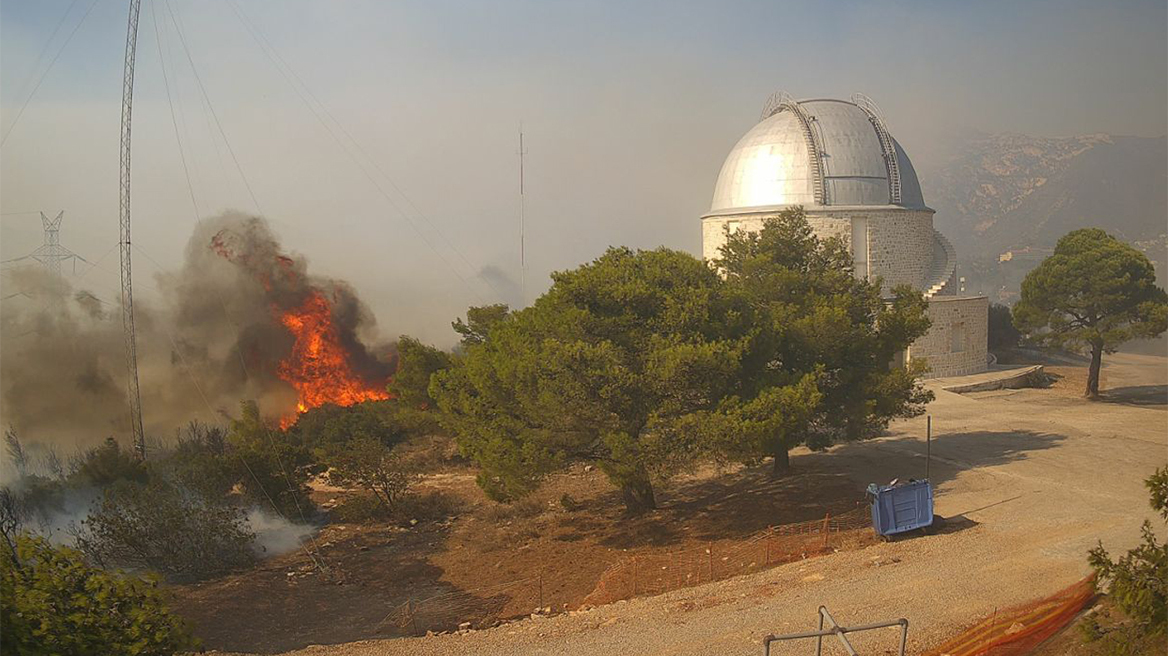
(124, 236)
(522, 226)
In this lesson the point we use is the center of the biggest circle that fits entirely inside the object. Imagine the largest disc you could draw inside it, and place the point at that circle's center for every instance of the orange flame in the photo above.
(318, 367)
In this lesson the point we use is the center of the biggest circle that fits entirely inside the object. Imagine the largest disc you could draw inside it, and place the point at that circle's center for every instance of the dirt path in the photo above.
(1033, 477)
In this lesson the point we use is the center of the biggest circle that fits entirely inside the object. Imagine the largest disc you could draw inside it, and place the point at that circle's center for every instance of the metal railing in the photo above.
(886, 144)
(781, 100)
(840, 632)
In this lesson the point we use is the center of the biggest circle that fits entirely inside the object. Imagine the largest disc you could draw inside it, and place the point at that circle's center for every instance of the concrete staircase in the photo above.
(942, 277)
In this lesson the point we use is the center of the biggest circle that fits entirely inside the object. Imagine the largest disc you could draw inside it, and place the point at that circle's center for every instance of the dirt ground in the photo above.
(1070, 641)
(1030, 478)
(368, 571)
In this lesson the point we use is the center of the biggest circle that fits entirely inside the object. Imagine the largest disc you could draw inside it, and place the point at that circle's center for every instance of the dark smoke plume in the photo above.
(214, 340)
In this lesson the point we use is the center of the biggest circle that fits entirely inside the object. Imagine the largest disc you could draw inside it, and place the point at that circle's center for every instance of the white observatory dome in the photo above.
(817, 153)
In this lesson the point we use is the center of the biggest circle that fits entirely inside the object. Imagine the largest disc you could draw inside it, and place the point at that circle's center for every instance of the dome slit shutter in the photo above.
(869, 106)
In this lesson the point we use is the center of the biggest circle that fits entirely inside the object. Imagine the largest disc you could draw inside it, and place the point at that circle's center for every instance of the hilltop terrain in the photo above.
(1005, 199)
(1028, 480)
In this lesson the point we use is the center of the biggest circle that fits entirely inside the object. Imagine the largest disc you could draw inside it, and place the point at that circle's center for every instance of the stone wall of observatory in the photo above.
(956, 342)
(714, 228)
(900, 248)
(899, 242)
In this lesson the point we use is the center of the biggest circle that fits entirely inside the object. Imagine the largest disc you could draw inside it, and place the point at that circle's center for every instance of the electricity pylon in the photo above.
(51, 253)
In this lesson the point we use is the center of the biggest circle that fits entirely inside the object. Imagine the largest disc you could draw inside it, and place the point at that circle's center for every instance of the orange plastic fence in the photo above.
(1017, 630)
(652, 574)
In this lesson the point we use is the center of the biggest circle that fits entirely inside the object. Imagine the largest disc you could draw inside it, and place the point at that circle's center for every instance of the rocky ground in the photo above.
(1030, 480)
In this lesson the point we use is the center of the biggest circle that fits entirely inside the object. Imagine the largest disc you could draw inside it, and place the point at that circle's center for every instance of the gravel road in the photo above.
(1031, 479)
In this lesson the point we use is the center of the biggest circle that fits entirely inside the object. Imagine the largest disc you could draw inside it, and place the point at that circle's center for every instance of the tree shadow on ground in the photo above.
(741, 503)
(1138, 395)
(883, 460)
(734, 505)
(748, 501)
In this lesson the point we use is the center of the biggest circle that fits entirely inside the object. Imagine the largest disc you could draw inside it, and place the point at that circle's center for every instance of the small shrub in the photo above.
(429, 505)
(52, 602)
(1111, 633)
(568, 503)
(374, 467)
(1001, 331)
(360, 509)
(269, 463)
(200, 461)
(1139, 579)
(162, 527)
(107, 464)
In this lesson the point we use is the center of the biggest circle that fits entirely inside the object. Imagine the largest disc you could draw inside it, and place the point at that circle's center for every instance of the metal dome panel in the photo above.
(768, 166)
(772, 164)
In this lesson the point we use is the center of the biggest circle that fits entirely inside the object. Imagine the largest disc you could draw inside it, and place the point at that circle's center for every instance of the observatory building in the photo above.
(837, 160)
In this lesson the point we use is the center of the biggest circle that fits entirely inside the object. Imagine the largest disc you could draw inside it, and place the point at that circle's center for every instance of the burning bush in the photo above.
(271, 462)
(239, 319)
(326, 362)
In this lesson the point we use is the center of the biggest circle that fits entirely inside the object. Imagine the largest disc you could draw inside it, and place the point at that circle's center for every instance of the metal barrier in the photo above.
(838, 631)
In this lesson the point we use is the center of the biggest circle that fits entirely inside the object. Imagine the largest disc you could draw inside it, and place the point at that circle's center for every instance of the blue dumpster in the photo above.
(901, 507)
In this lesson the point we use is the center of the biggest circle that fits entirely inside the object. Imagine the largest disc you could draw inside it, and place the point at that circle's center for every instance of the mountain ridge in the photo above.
(1005, 199)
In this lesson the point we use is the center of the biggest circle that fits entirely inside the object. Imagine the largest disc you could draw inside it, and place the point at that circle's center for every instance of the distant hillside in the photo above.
(1012, 196)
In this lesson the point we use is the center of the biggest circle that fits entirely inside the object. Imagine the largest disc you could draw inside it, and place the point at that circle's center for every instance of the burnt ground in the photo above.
(287, 602)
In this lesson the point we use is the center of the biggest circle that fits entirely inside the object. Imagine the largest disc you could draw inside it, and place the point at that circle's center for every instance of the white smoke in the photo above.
(275, 535)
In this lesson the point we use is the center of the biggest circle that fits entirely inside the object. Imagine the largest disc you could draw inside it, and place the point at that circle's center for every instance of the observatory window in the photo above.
(733, 227)
(900, 359)
(957, 335)
(860, 247)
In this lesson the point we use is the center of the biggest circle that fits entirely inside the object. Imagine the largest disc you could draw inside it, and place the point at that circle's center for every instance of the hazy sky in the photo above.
(628, 109)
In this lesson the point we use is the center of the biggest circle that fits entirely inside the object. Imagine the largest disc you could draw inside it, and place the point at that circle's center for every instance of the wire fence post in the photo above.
(826, 519)
(767, 542)
(636, 574)
(928, 443)
(710, 551)
(673, 565)
(541, 587)
(412, 609)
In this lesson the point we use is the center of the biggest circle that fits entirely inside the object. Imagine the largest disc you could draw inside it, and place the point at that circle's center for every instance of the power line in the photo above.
(170, 102)
(304, 92)
(199, 80)
(45, 49)
(40, 80)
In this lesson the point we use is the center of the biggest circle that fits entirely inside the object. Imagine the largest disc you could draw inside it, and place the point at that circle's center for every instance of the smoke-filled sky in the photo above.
(627, 109)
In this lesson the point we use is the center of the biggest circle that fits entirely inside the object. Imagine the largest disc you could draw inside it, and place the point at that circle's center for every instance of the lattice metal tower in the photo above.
(51, 253)
(124, 235)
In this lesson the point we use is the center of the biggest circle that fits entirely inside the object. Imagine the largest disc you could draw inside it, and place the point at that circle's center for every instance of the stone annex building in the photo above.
(837, 160)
